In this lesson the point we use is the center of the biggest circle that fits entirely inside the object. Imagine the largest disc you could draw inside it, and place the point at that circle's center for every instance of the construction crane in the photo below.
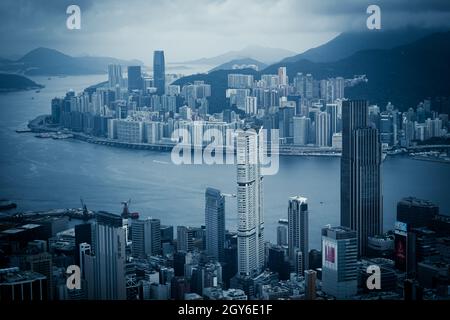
(85, 210)
(126, 211)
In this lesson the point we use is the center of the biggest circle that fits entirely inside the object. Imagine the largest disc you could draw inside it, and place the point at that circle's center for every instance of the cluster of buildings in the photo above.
(404, 129)
(126, 257)
(141, 109)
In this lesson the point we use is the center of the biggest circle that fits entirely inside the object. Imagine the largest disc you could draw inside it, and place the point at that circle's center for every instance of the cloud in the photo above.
(189, 29)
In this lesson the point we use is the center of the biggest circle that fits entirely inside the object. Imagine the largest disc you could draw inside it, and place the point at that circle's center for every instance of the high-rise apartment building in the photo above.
(114, 75)
(249, 205)
(298, 236)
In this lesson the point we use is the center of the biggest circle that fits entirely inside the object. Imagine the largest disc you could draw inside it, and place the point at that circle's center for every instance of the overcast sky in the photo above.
(191, 29)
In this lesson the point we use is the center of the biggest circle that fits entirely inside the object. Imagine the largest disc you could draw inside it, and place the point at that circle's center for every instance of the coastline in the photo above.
(38, 126)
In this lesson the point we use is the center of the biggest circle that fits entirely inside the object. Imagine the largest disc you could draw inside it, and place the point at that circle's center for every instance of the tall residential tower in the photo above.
(250, 205)
(298, 232)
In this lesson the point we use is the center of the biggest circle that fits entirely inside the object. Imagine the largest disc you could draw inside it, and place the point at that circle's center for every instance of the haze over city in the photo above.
(224, 150)
(193, 29)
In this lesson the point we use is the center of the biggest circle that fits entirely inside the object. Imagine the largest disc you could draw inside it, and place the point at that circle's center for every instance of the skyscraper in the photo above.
(135, 81)
(298, 230)
(301, 130)
(323, 135)
(114, 75)
(339, 257)
(249, 205)
(335, 126)
(285, 123)
(185, 239)
(361, 198)
(83, 234)
(110, 243)
(159, 72)
(282, 232)
(282, 75)
(146, 237)
(215, 223)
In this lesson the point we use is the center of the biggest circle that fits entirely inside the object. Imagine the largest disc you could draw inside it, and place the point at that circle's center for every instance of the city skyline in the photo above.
(320, 177)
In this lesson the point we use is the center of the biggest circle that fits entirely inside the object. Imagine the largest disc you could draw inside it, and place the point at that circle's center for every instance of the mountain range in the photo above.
(403, 75)
(45, 61)
(264, 54)
(348, 43)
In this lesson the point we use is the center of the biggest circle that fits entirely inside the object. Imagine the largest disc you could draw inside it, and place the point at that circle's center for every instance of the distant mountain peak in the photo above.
(265, 55)
(348, 43)
(42, 52)
(47, 61)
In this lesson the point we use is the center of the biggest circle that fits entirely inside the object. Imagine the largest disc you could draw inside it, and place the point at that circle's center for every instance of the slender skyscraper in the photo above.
(110, 243)
(215, 223)
(114, 75)
(323, 136)
(298, 230)
(282, 232)
(361, 198)
(159, 72)
(250, 205)
(282, 75)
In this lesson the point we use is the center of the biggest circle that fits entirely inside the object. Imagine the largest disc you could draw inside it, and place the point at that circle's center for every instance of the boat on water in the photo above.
(7, 205)
(54, 135)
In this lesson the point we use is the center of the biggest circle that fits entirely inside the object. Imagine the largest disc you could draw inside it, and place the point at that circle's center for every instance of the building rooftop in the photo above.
(12, 231)
(413, 201)
(30, 226)
(339, 232)
(14, 276)
(299, 199)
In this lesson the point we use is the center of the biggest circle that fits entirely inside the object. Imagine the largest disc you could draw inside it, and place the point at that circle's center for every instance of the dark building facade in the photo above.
(215, 223)
(416, 213)
(159, 72)
(134, 78)
(361, 197)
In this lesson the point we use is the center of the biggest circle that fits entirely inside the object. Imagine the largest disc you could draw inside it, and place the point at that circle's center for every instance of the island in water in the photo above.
(15, 82)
